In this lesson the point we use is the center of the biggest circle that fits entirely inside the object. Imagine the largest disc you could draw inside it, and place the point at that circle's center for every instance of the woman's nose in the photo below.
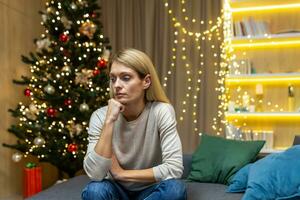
(117, 83)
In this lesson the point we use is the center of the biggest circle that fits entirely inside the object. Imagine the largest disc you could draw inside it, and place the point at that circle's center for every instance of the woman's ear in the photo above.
(147, 81)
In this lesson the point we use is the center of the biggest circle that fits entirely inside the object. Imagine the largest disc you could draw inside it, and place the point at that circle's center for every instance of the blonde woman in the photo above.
(134, 150)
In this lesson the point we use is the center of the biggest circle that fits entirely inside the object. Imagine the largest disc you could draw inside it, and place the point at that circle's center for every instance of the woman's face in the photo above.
(127, 87)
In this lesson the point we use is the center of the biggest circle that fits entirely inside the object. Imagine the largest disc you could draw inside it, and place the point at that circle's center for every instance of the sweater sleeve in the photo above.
(172, 164)
(96, 166)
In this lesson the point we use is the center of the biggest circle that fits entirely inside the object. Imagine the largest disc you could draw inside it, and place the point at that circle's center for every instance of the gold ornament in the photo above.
(67, 23)
(44, 18)
(67, 69)
(88, 29)
(83, 76)
(49, 89)
(74, 129)
(82, 3)
(17, 157)
(32, 112)
(39, 141)
(43, 44)
(73, 6)
(51, 10)
(47, 77)
(42, 61)
(84, 107)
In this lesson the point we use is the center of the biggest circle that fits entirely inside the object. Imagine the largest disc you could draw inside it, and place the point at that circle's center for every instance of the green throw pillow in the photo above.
(216, 159)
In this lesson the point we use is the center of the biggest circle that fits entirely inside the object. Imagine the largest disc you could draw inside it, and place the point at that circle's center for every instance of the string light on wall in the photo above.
(193, 73)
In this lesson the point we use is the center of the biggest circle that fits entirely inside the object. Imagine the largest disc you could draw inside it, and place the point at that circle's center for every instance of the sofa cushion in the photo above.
(70, 189)
(217, 159)
(275, 177)
(239, 182)
(210, 191)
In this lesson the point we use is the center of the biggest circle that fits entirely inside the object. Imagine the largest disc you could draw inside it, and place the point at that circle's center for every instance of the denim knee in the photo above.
(174, 189)
(100, 190)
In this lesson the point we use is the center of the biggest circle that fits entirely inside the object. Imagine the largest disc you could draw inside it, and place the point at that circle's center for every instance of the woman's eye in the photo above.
(126, 78)
(112, 79)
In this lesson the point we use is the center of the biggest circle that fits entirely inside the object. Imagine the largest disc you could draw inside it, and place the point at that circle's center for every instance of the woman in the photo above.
(134, 150)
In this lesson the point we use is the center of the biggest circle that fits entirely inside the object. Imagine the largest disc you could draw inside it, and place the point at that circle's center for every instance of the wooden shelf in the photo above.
(272, 41)
(241, 6)
(278, 79)
(262, 37)
(264, 116)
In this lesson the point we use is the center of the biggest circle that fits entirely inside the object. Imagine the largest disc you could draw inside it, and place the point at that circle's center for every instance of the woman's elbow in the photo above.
(177, 172)
(93, 174)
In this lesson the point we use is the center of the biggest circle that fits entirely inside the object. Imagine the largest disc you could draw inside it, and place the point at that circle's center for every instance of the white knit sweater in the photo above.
(150, 141)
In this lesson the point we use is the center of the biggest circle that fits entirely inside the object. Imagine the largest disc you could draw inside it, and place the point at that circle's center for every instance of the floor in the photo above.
(13, 197)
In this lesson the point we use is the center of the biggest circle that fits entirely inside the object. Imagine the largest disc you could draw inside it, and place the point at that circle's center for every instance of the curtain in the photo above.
(147, 25)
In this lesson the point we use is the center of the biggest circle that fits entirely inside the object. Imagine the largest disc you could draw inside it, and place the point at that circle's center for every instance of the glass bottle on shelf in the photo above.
(291, 99)
(245, 102)
(259, 95)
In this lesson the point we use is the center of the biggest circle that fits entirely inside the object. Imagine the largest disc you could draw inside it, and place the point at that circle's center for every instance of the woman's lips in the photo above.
(120, 94)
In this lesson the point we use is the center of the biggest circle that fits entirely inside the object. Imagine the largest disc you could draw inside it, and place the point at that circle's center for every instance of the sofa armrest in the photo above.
(296, 140)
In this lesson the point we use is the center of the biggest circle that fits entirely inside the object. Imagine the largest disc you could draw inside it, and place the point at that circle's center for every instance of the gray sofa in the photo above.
(72, 188)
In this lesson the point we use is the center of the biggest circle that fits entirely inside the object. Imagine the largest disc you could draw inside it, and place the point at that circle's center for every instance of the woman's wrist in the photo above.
(108, 122)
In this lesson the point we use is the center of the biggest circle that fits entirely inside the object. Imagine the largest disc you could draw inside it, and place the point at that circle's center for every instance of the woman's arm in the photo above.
(104, 144)
(172, 163)
(97, 161)
(143, 175)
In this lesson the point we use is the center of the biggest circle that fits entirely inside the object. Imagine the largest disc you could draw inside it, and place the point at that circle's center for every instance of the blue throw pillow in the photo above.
(276, 176)
(239, 181)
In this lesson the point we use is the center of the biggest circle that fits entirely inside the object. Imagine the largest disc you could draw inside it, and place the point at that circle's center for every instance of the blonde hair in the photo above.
(142, 64)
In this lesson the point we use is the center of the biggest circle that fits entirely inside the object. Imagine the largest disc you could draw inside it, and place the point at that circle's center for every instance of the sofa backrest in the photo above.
(187, 164)
(187, 158)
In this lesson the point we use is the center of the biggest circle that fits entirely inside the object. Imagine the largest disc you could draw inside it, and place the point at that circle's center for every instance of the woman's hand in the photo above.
(116, 170)
(113, 111)
(104, 144)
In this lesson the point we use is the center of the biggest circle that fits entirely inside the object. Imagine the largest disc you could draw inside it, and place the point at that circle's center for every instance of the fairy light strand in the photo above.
(207, 35)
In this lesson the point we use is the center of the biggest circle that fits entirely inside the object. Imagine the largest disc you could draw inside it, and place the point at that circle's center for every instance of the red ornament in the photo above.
(96, 72)
(101, 63)
(67, 102)
(94, 15)
(27, 92)
(51, 112)
(72, 148)
(63, 37)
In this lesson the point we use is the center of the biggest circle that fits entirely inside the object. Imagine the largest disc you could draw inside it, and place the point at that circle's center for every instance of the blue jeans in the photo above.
(110, 190)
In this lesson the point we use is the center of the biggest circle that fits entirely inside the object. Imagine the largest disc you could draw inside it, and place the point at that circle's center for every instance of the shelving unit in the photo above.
(241, 6)
(275, 79)
(264, 64)
(262, 117)
(268, 41)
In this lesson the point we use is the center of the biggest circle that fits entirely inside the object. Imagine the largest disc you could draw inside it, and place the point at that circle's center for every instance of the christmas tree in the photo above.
(68, 82)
